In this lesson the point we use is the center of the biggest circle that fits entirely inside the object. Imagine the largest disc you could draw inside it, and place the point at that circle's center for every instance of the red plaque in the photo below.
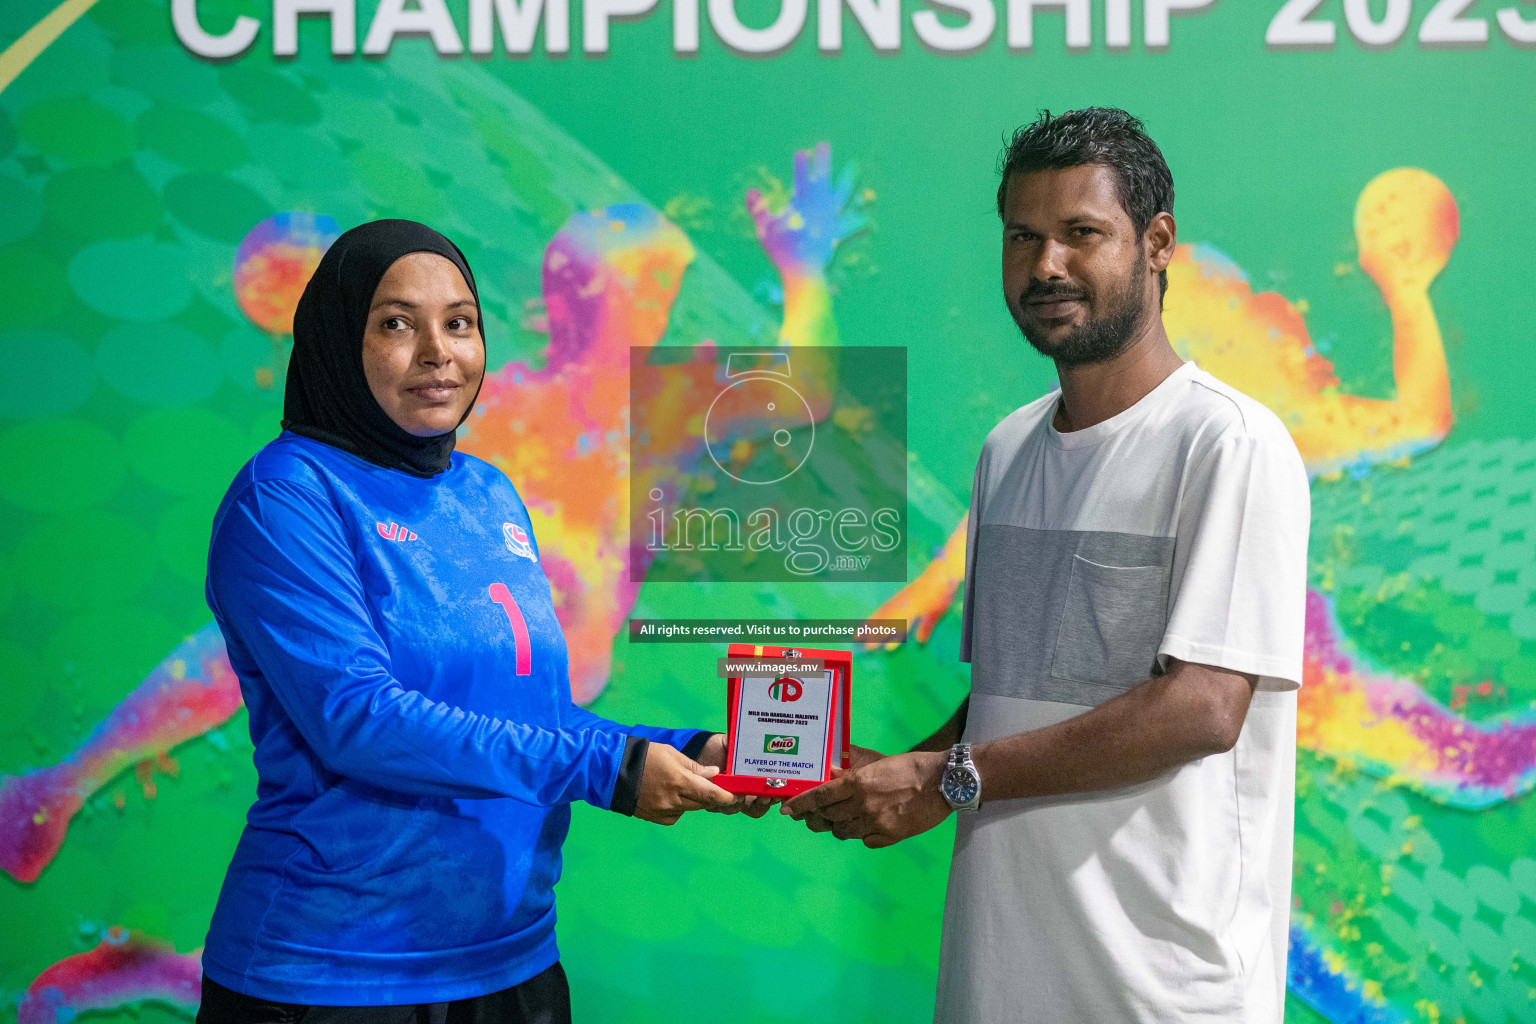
(787, 728)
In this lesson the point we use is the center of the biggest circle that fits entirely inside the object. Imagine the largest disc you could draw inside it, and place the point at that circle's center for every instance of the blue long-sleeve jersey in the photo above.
(417, 748)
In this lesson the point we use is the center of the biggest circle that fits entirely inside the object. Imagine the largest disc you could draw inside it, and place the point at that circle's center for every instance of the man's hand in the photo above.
(858, 757)
(713, 756)
(882, 802)
(673, 784)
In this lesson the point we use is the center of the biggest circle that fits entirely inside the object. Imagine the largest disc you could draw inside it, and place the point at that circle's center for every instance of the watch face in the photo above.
(959, 786)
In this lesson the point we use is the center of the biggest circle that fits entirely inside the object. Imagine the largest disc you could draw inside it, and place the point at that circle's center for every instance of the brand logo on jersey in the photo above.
(786, 690)
(517, 541)
(394, 532)
(781, 744)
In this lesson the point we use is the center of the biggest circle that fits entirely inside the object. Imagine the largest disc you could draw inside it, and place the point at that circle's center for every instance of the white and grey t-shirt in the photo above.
(1176, 529)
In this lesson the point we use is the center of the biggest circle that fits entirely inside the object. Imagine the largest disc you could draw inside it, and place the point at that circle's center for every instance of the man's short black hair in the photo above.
(1095, 135)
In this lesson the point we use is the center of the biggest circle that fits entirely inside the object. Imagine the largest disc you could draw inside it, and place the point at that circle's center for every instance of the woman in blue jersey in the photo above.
(417, 749)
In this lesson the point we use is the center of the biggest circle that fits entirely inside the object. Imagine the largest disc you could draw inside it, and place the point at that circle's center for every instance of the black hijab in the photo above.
(327, 395)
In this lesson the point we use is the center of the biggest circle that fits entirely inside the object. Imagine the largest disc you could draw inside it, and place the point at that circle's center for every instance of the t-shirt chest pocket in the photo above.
(1112, 622)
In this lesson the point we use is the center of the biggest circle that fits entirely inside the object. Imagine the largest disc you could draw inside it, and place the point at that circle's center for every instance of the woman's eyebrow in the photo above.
(406, 304)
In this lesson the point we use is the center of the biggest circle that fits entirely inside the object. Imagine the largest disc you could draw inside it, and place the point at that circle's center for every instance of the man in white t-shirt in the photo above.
(1135, 583)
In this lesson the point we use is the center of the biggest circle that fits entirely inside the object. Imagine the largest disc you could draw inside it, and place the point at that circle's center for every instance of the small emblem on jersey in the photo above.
(395, 532)
(517, 541)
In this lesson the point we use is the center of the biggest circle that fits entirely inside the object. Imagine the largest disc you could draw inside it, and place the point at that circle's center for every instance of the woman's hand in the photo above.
(673, 784)
(713, 755)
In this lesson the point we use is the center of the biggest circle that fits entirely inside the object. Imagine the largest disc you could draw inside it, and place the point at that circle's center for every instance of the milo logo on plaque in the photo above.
(786, 690)
(781, 744)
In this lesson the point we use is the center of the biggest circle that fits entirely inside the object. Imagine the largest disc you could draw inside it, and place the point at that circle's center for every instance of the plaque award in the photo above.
(786, 724)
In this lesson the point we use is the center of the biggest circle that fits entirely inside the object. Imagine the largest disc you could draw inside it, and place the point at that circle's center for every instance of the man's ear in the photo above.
(1161, 237)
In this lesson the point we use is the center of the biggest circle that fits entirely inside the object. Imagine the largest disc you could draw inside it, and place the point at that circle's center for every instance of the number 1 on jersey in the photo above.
(502, 596)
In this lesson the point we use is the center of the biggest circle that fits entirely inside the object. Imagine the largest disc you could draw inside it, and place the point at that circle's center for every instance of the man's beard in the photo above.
(1098, 339)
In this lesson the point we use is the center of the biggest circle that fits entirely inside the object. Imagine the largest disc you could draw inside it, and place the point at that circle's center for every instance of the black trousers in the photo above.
(543, 999)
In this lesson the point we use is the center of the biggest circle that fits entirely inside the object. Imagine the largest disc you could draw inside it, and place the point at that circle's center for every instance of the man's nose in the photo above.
(1052, 262)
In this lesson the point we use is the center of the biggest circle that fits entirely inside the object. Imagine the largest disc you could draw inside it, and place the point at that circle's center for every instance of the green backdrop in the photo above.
(136, 383)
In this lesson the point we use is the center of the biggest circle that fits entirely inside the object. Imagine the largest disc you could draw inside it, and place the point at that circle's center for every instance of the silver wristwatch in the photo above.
(960, 785)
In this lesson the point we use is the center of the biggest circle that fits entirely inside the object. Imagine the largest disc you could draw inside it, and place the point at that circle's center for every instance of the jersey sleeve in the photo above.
(682, 739)
(1238, 587)
(638, 740)
(283, 582)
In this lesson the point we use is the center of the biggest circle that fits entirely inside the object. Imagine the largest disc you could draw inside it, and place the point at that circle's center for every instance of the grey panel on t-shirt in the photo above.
(1063, 615)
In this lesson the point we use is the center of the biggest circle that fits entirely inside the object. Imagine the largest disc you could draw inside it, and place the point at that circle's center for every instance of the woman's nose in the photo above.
(434, 349)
